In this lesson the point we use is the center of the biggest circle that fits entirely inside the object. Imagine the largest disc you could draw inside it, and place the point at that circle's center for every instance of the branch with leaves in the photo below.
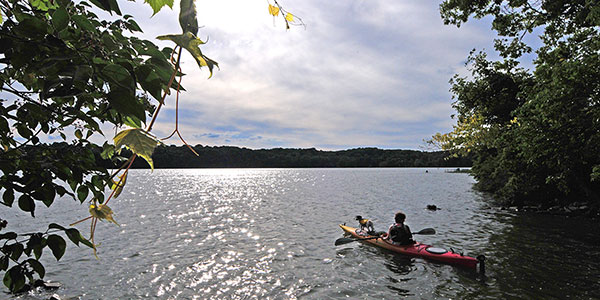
(75, 71)
(288, 17)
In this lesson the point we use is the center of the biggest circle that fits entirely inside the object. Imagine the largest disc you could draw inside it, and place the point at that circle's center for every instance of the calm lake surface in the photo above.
(269, 234)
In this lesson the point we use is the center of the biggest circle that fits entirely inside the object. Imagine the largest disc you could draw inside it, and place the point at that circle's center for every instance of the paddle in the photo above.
(342, 241)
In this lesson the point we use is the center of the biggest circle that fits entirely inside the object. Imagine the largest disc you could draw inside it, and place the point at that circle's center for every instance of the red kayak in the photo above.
(419, 250)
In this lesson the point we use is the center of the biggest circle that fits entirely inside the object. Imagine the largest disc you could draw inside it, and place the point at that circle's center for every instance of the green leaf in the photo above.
(187, 16)
(138, 141)
(8, 197)
(43, 5)
(60, 19)
(14, 279)
(125, 102)
(49, 198)
(132, 121)
(8, 236)
(149, 81)
(85, 241)
(37, 267)
(16, 251)
(97, 182)
(103, 4)
(133, 26)
(72, 183)
(150, 50)
(108, 151)
(3, 262)
(24, 131)
(56, 226)
(117, 74)
(191, 43)
(107, 5)
(61, 191)
(27, 204)
(157, 5)
(74, 235)
(57, 244)
(82, 192)
(109, 42)
(83, 23)
(36, 243)
(114, 6)
(3, 125)
(33, 26)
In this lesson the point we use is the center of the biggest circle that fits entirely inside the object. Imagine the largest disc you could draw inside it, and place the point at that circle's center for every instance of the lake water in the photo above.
(269, 234)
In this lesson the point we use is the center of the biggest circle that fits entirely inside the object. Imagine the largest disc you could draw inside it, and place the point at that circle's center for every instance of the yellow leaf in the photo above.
(191, 43)
(274, 10)
(289, 17)
(118, 185)
(138, 141)
(102, 212)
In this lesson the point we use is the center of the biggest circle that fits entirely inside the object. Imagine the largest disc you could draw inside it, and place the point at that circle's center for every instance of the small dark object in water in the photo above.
(432, 207)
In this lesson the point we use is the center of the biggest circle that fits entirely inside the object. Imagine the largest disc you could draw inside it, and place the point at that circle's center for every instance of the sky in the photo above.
(362, 73)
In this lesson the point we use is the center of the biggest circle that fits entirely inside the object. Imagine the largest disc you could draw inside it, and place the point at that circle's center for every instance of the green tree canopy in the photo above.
(64, 71)
(534, 134)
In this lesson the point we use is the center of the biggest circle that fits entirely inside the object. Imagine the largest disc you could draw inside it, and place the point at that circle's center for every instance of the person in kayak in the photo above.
(399, 233)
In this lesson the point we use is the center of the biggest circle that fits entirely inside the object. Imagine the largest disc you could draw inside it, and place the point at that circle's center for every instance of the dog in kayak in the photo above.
(365, 224)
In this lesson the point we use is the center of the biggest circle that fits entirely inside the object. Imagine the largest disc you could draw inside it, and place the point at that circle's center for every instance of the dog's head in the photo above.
(358, 218)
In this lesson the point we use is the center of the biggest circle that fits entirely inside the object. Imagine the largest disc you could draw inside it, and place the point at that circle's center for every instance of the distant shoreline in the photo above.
(177, 157)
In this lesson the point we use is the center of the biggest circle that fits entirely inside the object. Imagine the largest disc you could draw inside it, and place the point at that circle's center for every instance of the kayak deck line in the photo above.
(416, 250)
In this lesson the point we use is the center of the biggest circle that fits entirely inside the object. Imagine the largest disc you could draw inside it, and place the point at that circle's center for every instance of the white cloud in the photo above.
(363, 73)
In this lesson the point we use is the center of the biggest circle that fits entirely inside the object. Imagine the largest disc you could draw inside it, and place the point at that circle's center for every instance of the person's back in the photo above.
(399, 233)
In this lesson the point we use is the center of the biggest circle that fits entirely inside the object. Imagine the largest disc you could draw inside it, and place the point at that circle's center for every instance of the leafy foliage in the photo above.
(64, 71)
(13, 250)
(538, 133)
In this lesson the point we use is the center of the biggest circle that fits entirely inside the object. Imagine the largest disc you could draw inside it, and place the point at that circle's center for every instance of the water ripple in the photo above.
(268, 234)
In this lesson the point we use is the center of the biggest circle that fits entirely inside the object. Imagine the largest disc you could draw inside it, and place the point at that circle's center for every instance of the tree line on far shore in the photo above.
(235, 157)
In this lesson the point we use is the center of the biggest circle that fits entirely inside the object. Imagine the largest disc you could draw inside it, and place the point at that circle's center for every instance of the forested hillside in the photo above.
(234, 157)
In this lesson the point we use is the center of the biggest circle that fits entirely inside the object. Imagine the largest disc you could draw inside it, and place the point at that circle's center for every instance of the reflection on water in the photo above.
(268, 234)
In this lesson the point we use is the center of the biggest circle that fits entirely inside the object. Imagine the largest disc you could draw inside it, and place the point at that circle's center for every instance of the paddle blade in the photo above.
(342, 241)
(426, 231)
